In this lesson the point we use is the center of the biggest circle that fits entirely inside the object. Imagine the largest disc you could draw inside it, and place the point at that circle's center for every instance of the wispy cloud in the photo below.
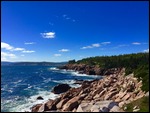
(121, 45)
(64, 50)
(18, 49)
(66, 17)
(105, 43)
(57, 55)
(29, 43)
(96, 45)
(22, 55)
(146, 50)
(91, 46)
(9, 47)
(28, 51)
(48, 35)
(136, 43)
(5, 56)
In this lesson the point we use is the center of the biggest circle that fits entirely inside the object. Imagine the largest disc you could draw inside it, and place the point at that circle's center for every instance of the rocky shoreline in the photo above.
(90, 70)
(106, 95)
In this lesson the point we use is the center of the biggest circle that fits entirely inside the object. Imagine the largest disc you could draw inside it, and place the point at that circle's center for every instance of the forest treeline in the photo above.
(133, 63)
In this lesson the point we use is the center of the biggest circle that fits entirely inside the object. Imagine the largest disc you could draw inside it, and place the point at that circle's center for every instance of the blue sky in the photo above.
(60, 31)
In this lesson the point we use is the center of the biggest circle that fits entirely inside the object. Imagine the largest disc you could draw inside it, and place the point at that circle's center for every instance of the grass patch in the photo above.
(143, 104)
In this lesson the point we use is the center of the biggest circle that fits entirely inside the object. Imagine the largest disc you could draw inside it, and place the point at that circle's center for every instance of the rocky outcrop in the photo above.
(90, 70)
(61, 88)
(105, 95)
(39, 98)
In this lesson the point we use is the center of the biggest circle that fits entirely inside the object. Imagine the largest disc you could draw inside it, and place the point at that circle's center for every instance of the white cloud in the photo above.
(18, 49)
(28, 51)
(96, 45)
(48, 35)
(136, 43)
(6, 46)
(86, 47)
(91, 46)
(104, 43)
(29, 43)
(147, 51)
(57, 55)
(5, 56)
(64, 50)
(9, 47)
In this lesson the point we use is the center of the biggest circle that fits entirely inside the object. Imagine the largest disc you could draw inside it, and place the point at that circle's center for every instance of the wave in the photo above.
(53, 68)
(76, 73)
(18, 81)
(25, 106)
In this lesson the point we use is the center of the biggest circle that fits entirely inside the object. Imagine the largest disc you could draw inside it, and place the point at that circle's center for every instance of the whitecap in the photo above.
(53, 68)
(17, 82)
(30, 102)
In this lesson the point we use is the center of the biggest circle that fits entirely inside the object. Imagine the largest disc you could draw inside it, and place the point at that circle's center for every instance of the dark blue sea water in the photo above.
(21, 85)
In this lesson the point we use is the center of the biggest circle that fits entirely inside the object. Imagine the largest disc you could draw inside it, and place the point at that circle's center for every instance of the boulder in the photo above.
(50, 105)
(104, 109)
(39, 98)
(71, 104)
(115, 109)
(95, 108)
(36, 107)
(110, 95)
(61, 88)
(121, 104)
(61, 103)
(42, 108)
(126, 97)
(84, 106)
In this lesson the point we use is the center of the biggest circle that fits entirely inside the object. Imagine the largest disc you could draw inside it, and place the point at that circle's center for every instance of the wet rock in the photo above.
(39, 98)
(61, 88)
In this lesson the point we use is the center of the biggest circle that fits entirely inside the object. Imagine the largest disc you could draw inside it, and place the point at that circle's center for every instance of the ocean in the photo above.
(21, 85)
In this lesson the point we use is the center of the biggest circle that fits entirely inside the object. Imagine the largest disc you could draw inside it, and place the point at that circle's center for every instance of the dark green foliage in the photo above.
(143, 104)
(134, 63)
(71, 61)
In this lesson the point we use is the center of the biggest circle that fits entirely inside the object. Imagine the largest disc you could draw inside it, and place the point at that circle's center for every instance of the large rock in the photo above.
(36, 108)
(110, 95)
(61, 88)
(61, 103)
(71, 104)
(42, 108)
(51, 104)
(39, 98)
(84, 106)
(115, 109)
(95, 108)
